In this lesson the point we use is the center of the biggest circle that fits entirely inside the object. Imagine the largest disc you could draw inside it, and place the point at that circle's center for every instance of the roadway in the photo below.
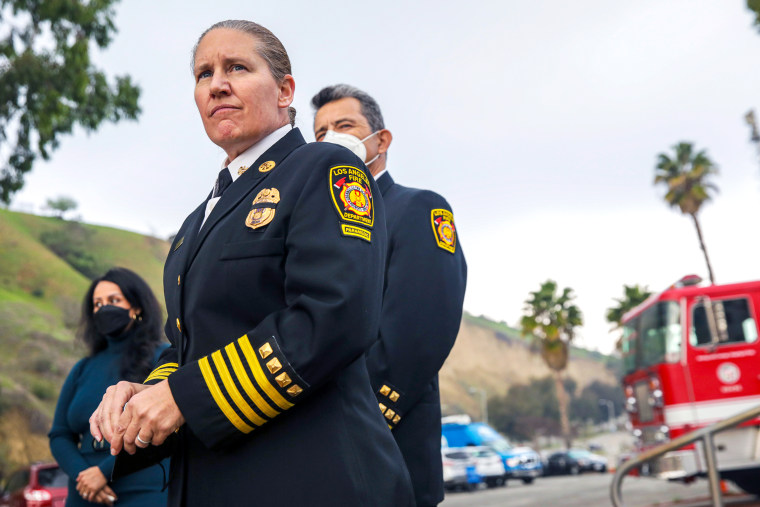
(590, 490)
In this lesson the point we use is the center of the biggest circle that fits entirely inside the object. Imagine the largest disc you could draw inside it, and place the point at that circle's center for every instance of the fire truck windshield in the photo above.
(652, 337)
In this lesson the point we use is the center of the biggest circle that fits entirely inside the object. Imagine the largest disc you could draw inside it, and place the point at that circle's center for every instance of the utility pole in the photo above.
(610, 412)
(755, 135)
(483, 402)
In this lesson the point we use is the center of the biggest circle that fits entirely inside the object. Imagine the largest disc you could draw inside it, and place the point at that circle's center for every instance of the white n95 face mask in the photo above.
(351, 142)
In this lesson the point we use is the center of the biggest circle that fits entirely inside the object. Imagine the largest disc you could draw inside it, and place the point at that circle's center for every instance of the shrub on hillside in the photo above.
(70, 311)
(43, 389)
(72, 243)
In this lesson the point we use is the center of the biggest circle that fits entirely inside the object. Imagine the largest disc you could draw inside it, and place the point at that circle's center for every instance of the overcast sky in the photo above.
(539, 121)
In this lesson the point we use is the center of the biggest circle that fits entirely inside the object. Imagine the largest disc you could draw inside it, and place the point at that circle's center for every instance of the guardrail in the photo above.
(706, 435)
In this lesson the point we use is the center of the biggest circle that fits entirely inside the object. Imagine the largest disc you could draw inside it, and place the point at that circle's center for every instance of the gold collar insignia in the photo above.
(267, 166)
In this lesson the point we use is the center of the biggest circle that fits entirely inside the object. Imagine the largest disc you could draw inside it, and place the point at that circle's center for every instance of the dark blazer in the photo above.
(425, 277)
(271, 307)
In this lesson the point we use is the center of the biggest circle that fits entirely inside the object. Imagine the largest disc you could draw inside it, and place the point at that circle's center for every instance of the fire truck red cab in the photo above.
(692, 357)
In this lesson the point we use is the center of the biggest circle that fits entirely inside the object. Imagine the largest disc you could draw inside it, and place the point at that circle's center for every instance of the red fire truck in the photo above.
(692, 357)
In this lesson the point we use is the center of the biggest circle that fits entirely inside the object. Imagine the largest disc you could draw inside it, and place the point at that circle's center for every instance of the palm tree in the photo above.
(754, 6)
(633, 296)
(685, 176)
(750, 118)
(551, 318)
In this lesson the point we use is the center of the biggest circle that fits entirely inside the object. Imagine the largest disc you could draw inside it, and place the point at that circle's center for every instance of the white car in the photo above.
(489, 465)
(459, 469)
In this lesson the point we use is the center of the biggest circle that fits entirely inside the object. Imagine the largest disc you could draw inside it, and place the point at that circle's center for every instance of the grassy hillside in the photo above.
(45, 268)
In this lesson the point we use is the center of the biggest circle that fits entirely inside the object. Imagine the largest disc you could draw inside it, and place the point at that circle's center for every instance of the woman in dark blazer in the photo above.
(121, 327)
(273, 288)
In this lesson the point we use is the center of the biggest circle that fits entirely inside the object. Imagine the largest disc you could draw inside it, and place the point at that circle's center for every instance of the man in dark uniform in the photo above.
(273, 291)
(425, 276)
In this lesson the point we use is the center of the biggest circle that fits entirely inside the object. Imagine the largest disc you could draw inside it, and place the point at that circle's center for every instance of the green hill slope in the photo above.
(45, 268)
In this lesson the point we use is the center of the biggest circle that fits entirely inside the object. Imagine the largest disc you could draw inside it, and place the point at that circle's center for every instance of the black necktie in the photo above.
(222, 182)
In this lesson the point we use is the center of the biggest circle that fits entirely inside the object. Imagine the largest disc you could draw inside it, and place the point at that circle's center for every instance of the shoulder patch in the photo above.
(351, 194)
(444, 230)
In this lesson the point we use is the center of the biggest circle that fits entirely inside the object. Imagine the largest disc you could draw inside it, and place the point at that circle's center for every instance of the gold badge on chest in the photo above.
(263, 208)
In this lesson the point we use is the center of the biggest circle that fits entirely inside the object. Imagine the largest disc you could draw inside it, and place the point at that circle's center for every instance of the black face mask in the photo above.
(111, 320)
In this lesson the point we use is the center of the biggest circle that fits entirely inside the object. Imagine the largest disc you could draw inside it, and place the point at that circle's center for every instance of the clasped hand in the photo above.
(129, 410)
(92, 485)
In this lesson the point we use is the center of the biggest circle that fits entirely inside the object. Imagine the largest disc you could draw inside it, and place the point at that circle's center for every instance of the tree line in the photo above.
(529, 411)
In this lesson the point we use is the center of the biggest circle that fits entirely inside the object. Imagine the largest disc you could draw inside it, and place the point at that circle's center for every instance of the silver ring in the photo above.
(143, 442)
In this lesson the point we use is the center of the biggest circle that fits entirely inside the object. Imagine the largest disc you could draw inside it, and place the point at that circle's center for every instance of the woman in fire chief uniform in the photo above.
(273, 289)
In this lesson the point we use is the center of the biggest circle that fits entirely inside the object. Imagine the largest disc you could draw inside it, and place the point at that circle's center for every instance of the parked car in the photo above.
(38, 485)
(459, 469)
(519, 462)
(574, 462)
(561, 463)
(598, 463)
(488, 465)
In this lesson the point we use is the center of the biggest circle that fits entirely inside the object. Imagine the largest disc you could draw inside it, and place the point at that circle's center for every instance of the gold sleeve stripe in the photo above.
(167, 367)
(232, 390)
(159, 375)
(164, 373)
(163, 369)
(216, 393)
(245, 381)
(259, 376)
(160, 371)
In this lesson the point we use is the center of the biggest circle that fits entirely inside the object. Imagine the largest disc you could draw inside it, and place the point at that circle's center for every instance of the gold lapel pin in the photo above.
(267, 166)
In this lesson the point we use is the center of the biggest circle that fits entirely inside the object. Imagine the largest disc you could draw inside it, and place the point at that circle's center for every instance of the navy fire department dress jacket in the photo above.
(271, 308)
(425, 278)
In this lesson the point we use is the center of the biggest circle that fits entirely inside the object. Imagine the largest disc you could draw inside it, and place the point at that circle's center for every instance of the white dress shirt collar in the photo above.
(244, 160)
(249, 156)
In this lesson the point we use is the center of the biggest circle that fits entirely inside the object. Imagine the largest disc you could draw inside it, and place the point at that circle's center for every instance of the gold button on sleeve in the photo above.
(274, 365)
(385, 390)
(294, 390)
(394, 396)
(283, 379)
(265, 350)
